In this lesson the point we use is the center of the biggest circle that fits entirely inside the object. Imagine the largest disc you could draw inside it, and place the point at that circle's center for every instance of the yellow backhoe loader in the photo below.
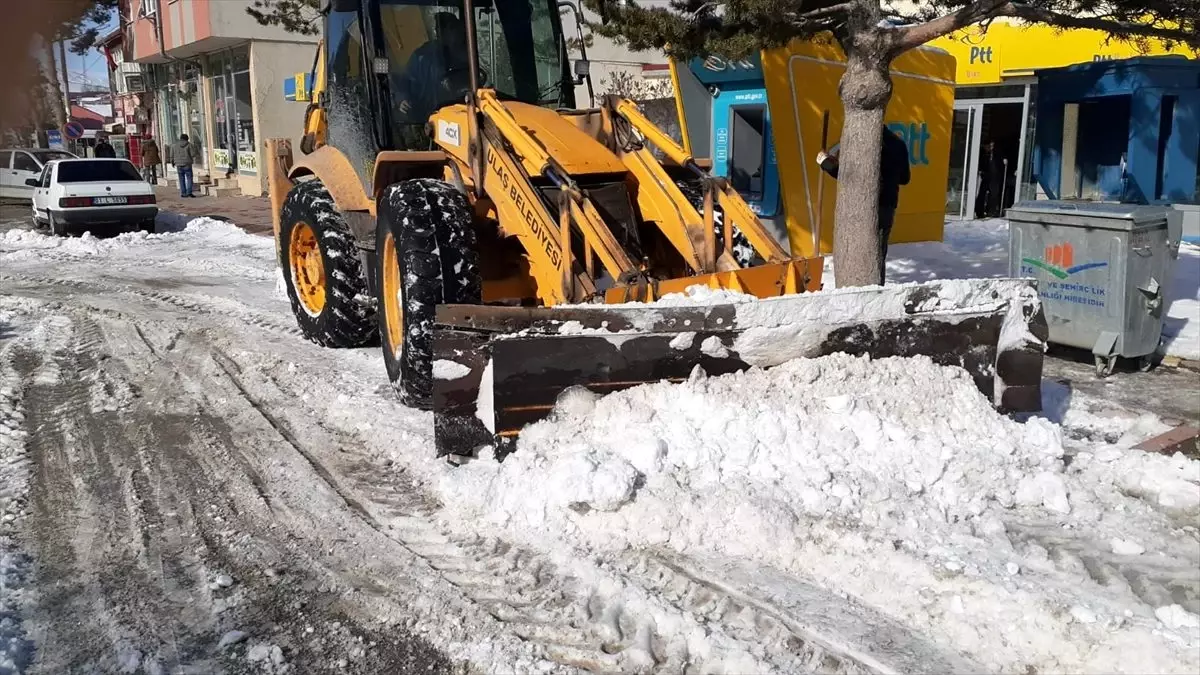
(502, 245)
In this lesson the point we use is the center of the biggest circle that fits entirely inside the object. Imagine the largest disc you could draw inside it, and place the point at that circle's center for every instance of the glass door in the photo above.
(963, 184)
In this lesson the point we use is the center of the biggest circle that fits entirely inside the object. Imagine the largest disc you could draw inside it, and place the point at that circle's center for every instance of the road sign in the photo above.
(73, 130)
(54, 138)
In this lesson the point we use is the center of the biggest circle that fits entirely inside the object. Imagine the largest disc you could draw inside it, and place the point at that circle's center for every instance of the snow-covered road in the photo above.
(187, 485)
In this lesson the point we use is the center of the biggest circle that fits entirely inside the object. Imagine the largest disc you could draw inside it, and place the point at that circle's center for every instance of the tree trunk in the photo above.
(56, 92)
(865, 89)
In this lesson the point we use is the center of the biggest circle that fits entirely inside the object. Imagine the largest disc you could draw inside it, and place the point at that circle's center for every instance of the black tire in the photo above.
(429, 224)
(742, 251)
(347, 316)
(146, 226)
(56, 228)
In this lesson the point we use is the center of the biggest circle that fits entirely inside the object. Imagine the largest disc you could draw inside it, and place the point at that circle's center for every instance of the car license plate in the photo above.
(105, 201)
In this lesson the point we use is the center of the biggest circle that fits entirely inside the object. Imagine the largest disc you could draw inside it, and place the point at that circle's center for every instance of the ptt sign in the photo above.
(916, 137)
(981, 55)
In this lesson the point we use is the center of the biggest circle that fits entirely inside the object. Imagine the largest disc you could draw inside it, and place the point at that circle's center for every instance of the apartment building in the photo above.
(209, 70)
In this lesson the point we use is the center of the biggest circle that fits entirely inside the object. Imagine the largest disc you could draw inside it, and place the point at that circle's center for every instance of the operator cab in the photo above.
(392, 63)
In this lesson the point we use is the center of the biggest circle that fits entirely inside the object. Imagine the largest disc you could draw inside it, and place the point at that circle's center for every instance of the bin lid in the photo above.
(1103, 214)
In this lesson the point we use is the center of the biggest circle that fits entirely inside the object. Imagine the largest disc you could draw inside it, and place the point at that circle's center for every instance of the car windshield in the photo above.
(44, 156)
(98, 171)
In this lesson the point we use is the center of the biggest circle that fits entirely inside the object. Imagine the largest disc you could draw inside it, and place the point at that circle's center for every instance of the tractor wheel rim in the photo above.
(393, 306)
(308, 269)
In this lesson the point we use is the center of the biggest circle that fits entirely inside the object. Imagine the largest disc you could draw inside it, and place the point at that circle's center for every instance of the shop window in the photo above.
(1166, 125)
(1102, 141)
(747, 154)
(244, 121)
(990, 91)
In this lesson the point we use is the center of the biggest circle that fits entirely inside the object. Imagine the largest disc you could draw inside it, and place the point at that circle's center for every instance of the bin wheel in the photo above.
(1105, 366)
(1153, 359)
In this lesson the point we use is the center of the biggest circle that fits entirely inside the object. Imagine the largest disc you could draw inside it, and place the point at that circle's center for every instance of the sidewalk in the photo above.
(252, 214)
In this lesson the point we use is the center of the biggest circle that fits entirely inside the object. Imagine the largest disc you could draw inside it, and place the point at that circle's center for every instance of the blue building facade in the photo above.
(1125, 131)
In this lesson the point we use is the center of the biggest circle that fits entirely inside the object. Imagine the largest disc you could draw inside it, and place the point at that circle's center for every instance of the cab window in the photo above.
(23, 162)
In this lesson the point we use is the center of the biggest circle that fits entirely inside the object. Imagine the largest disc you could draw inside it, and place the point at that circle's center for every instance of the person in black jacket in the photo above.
(893, 172)
(105, 149)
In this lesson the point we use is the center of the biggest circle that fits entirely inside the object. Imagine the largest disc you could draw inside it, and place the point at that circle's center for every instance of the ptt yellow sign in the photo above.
(1009, 49)
(802, 86)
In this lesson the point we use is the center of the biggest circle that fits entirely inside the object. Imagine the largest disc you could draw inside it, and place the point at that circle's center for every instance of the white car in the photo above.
(73, 195)
(17, 165)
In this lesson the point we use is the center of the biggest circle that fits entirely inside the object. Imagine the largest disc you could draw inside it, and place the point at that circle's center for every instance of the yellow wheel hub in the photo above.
(308, 269)
(393, 306)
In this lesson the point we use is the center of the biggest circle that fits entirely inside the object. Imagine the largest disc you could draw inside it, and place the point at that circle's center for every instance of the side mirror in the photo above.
(33, 182)
(583, 68)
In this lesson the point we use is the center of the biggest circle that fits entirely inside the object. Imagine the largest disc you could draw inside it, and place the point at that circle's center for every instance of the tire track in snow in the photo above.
(229, 309)
(639, 613)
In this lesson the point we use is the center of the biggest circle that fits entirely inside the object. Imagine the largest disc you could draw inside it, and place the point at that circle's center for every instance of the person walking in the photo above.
(893, 172)
(104, 149)
(183, 158)
(150, 159)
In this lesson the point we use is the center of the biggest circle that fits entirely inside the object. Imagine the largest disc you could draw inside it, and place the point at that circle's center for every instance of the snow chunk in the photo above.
(683, 341)
(1176, 617)
(444, 369)
(712, 347)
(1126, 547)
(231, 638)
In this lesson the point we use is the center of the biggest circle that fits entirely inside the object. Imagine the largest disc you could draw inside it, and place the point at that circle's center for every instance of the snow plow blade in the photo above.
(497, 369)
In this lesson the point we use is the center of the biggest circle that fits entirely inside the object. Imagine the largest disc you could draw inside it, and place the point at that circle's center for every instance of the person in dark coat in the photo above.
(105, 149)
(893, 173)
(424, 83)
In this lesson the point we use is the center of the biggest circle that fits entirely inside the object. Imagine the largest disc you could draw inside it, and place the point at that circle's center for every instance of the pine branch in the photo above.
(915, 36)
(1098, 16)
(1107, 23)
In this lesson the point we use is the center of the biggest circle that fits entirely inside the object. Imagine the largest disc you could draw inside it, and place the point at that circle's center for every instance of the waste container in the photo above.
(1100, 268)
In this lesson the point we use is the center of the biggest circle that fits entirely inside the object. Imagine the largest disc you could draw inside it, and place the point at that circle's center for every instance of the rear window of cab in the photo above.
(97, 172)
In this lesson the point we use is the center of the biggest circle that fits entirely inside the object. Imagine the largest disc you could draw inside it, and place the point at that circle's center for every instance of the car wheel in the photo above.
(56, 228)
(146, 226)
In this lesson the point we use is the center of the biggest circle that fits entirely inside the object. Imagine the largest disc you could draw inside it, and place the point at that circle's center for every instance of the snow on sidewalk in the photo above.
(16, 649)
(891, 480)
(979, 248)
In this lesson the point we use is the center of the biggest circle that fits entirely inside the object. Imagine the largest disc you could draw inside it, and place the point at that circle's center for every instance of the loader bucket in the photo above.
(500, 368)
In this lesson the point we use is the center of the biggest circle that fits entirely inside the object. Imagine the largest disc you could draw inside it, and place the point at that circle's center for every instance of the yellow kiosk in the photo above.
(762, 121)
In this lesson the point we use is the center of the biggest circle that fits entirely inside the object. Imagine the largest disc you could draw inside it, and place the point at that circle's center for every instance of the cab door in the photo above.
(24, 167)
(41, 195)
(7, 189)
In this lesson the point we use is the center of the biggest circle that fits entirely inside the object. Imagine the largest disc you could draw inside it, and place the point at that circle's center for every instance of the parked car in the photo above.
(73, 195)
(18, 165)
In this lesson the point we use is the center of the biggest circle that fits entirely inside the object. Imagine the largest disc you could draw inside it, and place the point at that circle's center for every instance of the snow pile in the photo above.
(16, 650)
(1181, 326)
(979, 249)
(89, 245)
(893, 480)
